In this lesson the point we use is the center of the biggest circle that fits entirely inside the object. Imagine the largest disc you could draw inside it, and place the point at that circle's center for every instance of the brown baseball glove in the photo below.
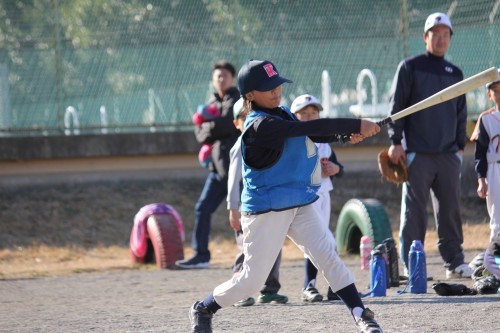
(395, 173)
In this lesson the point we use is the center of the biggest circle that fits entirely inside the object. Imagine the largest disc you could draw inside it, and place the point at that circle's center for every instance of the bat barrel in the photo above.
(450, 92)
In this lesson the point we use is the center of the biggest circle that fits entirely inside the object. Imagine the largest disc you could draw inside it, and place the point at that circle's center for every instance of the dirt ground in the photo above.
(64, 266)
(158, 301)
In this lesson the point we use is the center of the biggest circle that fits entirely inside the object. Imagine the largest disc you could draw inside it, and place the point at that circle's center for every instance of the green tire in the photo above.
(361, 217)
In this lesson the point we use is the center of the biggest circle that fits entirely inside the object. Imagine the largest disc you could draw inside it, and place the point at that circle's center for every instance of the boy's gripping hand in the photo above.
(368, 128)
(355, 138)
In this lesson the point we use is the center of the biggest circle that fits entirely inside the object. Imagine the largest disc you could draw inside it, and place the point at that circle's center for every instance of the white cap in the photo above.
(437, 19)
(304, 100)
(237, 108)
(488, 85)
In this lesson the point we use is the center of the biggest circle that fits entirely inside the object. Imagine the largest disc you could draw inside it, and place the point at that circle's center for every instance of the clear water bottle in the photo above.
(377, 274)
(365, 250)
(417, 269)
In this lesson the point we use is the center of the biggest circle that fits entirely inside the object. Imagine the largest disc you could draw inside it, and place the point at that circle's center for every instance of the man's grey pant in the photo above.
(441, 174)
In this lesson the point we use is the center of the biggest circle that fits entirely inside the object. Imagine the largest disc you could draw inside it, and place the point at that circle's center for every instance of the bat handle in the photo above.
(384, 121)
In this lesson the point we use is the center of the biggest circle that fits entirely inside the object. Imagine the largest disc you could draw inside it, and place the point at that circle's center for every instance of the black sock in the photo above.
(209, 303)
(350, 297)
(311, 272)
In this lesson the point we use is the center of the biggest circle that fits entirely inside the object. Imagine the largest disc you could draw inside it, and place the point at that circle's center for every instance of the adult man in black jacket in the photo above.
(221, 134)
(432, 141)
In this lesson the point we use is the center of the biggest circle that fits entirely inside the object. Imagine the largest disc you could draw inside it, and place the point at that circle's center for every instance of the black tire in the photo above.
(361, 217)
(165, 239)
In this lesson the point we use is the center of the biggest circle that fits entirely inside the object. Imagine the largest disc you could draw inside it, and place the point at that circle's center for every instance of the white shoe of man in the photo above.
(460, 272)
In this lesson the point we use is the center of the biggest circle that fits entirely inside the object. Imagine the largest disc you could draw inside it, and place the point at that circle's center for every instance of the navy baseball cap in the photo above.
(260, 75)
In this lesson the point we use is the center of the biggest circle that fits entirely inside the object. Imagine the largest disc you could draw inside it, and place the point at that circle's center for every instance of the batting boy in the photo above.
(281, 175)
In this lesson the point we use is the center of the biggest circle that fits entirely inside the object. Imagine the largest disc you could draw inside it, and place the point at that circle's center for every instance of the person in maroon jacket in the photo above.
(221, 134)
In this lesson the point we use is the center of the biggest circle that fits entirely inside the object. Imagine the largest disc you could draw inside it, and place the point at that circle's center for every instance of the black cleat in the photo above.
(366, 323)
(201, 319)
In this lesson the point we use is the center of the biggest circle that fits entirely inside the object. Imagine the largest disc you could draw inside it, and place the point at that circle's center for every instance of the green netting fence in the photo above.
(106, 66)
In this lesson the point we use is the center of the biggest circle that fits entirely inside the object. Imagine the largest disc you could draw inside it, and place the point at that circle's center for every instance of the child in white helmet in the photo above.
(307, 107)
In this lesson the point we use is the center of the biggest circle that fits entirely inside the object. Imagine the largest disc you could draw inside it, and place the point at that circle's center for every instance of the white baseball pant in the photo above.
(493, 200)
(264, 235)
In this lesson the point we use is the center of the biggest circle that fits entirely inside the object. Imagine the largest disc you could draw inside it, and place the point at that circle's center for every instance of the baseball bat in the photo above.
(446, 94)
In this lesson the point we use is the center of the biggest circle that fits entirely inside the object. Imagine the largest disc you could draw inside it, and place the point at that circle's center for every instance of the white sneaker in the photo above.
(311, 294)
(460, 272)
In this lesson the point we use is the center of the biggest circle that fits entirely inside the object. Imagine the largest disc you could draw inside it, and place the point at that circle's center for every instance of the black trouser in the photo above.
(441, 174)
(213, 193)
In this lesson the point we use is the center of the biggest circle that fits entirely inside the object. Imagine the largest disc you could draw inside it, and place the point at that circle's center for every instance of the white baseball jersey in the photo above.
(325, 151)
(323, 205)
(491, 123)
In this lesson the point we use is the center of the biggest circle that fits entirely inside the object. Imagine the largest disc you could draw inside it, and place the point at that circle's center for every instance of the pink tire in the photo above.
(148, 258)
(135, 259)
(166, 240)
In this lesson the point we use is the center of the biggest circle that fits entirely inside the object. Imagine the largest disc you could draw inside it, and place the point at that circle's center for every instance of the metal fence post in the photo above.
(404, 26)
(58, 66)
(4, 98)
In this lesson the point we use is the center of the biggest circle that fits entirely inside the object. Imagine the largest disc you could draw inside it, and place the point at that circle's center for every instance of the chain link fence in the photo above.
(105, 66)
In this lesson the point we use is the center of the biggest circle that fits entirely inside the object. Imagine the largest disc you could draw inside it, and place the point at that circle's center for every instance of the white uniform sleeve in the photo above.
(234, 176)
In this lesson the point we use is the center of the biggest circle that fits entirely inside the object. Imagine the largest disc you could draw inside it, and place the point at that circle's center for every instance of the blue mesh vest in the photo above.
(290, 182)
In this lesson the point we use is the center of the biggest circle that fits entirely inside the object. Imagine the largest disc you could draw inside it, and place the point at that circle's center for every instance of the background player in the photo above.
(307, 107)
(272, 285)
(487, 156)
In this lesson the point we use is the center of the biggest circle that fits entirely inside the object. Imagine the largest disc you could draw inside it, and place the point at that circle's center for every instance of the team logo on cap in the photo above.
(306, 100)
(438, 19)
(270, 70)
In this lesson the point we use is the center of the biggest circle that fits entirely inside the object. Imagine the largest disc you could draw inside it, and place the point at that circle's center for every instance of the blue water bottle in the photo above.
(417, 269)
(377, 274)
